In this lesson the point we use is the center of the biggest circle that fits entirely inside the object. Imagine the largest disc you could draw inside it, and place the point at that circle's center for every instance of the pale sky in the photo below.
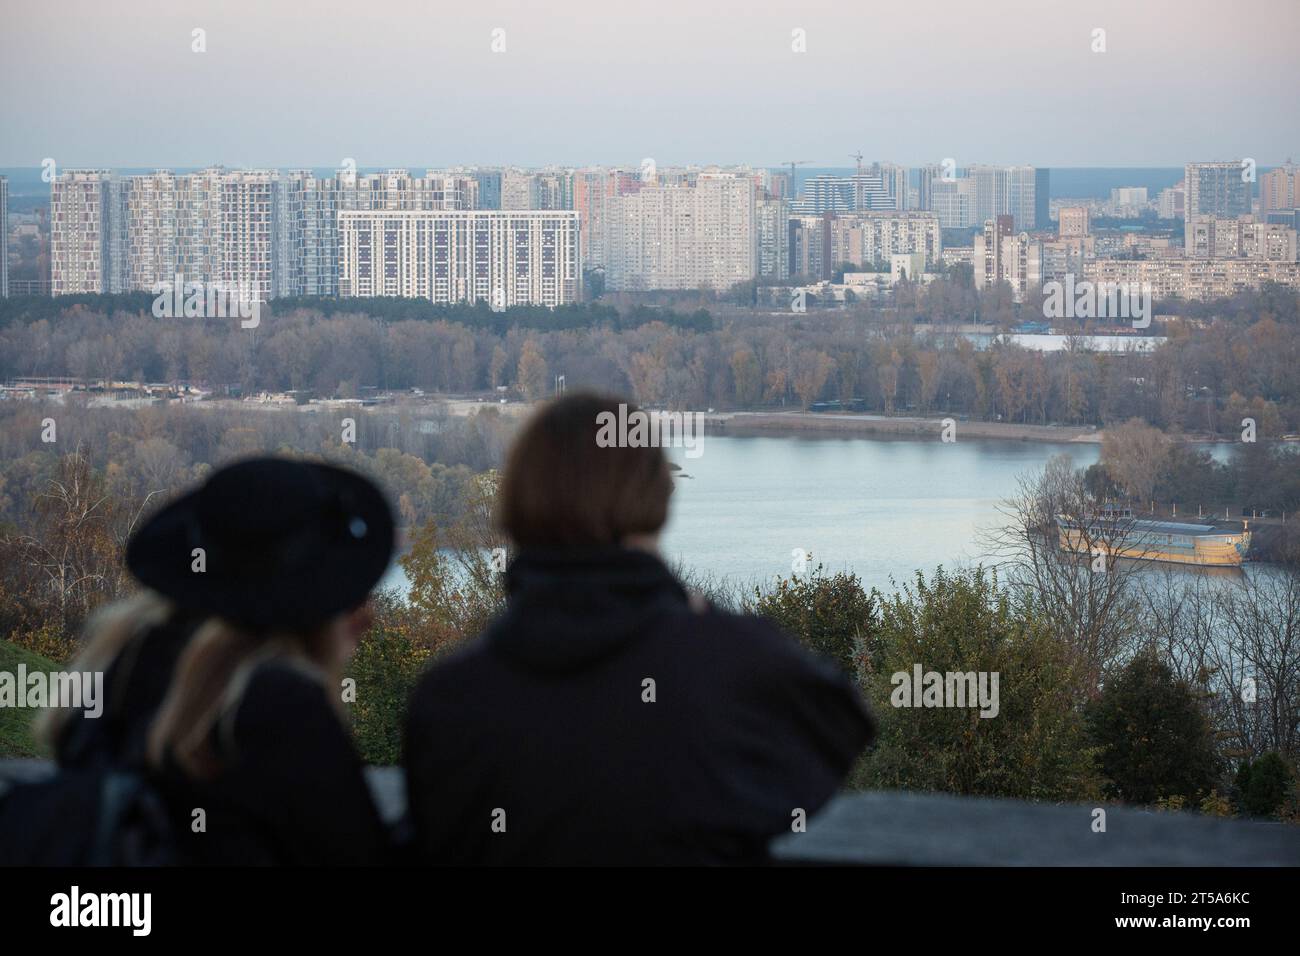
(412, 83)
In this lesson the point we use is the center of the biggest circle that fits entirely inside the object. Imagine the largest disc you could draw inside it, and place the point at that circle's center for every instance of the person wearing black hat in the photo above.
(280, 557)
(608, 717)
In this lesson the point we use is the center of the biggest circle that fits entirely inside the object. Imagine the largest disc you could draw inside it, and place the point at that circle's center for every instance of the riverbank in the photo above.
(826, 424)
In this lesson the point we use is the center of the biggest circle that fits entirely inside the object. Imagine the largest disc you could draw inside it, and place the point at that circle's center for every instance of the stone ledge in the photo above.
(887, 828)
(898, 828)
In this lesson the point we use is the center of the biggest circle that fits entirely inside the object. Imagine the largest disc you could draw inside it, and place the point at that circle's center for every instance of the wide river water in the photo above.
(880, 508)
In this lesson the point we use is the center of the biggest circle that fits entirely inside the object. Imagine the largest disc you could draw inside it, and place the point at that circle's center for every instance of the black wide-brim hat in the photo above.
(285, 545)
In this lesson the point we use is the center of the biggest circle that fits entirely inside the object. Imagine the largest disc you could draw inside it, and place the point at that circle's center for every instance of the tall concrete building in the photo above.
(682, 237)
(925, 178)
(1073, 222)
(590, 189)
(1214, 189)
(161, 214)
(1242, 238)
(821, 244)
(1193, 278)
(1171, 203)
(869, 189)
(518, 189)
(489, 188)
(895, 180)
(953, 202)
(398, 190)
(864, 239)
(1003, 255)
(504, 258)
(1042, 198)
(4, 238)
(226, 227)
(87, 233)
(552, 189)
(258, 233)
(771, 226)
(1017, 191)
(309, 233)
(1279, 189)
(810, 246)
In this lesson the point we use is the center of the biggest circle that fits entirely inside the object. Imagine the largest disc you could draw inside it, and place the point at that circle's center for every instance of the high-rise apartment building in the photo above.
(1279, 189)
(259, 233)
(1129, 196)
(1241, 238)
(1073, 222)
(226, 227)
(504, 258)
(310, 234)
(4, 238)
(821, 244)
(1171, 202)
(953, 201)
(1193, 278)
(771, 226)
(868, 189)
(863, 239)
(682, 237)
(1042, 199)
(87, 233)
(1017, 191)
(398, 190)
(1218, 189)
(489, 188)
(517, 189)
(810, 246)
(924, 178)
(895, 180)
(1002, 255)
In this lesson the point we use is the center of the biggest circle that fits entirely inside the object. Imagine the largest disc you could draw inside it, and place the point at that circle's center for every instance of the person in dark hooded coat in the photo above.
(608, 717)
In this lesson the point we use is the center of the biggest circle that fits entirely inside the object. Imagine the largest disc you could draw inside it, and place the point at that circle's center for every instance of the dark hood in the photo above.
(567, 610)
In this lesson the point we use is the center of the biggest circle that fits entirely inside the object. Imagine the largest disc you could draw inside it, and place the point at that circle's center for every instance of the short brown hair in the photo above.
(562, 490)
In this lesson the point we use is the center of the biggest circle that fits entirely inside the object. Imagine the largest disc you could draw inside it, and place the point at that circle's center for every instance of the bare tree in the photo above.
(1260, 660)
(1239, 637)
(71, 550)
(1133, 453)
(1059, 550)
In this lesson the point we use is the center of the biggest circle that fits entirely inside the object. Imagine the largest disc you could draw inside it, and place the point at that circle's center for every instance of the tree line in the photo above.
(1237, 360)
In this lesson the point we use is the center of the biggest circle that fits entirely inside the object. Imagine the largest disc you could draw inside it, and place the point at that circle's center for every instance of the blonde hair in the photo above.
(106, 637)
(211, 678)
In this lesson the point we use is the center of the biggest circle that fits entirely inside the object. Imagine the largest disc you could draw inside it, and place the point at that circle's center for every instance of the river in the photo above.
(880, 508)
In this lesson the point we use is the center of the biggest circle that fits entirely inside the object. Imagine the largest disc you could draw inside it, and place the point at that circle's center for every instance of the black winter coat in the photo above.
(292, 790)
(602, 720)
(135, 683)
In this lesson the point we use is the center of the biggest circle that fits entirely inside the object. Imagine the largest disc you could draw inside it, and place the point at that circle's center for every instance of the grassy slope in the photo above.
(15, 724)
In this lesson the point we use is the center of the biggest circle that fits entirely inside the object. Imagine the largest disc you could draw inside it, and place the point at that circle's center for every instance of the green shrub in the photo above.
(1264, 785)
(831, 616)
(1155, 738)
(1035, 747)
(387, 663)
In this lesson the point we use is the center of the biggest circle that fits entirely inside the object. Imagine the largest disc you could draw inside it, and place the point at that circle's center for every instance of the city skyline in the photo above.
(953, 82)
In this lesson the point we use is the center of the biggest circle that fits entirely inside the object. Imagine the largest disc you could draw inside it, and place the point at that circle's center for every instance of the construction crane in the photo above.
(857, 181)
(792, 163)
